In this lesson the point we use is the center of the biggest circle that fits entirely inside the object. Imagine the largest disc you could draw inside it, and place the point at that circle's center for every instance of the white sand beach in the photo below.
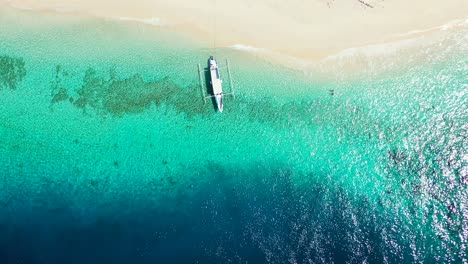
(309, 30)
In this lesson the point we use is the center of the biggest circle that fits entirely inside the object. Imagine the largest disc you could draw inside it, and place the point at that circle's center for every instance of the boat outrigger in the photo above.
(216, 83)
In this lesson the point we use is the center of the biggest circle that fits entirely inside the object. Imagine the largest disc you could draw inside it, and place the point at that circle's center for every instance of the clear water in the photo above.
(108, 155)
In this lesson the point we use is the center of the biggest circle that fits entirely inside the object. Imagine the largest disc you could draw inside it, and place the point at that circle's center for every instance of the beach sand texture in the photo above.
(307, 30)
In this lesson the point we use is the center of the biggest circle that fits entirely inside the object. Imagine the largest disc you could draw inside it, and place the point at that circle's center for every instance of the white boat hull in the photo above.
(219, 102)
(216, 84)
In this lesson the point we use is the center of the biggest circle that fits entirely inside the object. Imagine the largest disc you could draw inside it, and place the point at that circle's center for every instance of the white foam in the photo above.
(153, 21)
(389, 48)
(285, 60)
(446, 26)
(246, 48)
(453, 24)
(374, 50)
(58, 9)
(64, 9)
(19, 7)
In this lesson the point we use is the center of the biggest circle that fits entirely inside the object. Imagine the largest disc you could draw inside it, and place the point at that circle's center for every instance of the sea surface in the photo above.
(109, 155)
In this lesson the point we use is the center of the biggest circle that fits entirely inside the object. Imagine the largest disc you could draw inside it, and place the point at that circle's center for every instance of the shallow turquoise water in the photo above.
(108, 154)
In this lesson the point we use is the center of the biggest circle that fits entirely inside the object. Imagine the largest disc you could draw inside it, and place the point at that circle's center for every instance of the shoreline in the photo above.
(345, 64)
(313, 32)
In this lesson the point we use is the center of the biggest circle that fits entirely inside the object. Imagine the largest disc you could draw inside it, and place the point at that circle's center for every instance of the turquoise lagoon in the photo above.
(108, 154)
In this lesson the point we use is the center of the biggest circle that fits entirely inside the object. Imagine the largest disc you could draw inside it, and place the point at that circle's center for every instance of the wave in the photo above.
(19, 7)
(374, 49)
(247, 48)
(446, 26)
(270, 55)
(153, 21)
(412, 39)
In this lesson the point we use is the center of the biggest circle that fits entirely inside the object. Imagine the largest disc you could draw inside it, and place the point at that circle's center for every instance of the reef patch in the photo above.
(12, 72)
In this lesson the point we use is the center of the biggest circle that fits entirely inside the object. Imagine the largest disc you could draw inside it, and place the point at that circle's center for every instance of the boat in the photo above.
(216, 90)
(216, 83)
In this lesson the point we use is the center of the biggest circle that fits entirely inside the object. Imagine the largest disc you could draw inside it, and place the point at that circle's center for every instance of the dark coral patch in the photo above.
(115, 96)
(12, 71)
(59, 93)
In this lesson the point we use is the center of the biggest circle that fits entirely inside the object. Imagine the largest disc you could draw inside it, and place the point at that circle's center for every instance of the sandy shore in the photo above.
(309, 30)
